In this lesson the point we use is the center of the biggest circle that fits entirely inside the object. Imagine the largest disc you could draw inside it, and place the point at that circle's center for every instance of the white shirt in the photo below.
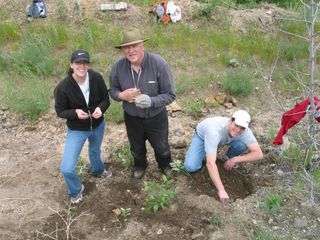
(214, 132)
(85, 89)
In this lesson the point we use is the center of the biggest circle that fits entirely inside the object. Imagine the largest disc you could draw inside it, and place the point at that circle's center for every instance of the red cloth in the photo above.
(292, 117)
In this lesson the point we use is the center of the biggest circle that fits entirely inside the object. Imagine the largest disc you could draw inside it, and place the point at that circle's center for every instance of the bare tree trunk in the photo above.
(314, 9)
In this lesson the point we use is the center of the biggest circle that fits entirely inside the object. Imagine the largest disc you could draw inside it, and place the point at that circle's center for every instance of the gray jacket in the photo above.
(155, 81)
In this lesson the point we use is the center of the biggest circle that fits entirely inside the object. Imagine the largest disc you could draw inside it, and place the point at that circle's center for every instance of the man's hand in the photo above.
(223, 196)
(129, 94)
(97, 113)
(228, 165)
(81, 114)
(143, 101)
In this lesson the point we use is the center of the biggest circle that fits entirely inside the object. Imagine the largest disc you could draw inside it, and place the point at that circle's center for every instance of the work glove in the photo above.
(143, 101)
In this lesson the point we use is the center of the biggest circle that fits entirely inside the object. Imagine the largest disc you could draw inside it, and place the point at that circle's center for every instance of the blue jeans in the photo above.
(74, 144)
(196, 153)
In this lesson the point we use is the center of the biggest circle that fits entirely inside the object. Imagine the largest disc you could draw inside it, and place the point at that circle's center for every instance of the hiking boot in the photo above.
(105, 174)
(78, 198)
(138, 173)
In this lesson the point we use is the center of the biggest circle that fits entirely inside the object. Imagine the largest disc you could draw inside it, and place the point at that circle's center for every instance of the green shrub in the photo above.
(215, 219)
(115, 112)
(194, 107)
(293, 154)
(273, 203)
(293, 50)
(9, 32)
(158, 194)
(177, 166)
(26, 94)
(35, 56)
(238, 82)
(58, 35)
(256, 43)
(183, 84)
(123, 155)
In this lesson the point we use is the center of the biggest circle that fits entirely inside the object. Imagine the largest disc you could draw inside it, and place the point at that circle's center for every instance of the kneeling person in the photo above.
(215, 131)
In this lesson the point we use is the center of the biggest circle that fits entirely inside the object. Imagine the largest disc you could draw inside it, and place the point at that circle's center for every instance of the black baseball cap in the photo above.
(80, 55)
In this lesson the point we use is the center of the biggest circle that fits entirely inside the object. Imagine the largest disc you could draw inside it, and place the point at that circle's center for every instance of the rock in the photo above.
(10, 125)
(280, 172)
(211, 101)
(197, 235)
(113, 6)
(300, 223)
(159, 232)
(233, 62)
(228, 105)
(173, 107)
(231, 99)
(117, 211)
(220, 98)
(30, 128)
(217, 235)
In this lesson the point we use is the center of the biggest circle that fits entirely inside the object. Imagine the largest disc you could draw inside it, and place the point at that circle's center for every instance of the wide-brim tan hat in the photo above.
(130, 37)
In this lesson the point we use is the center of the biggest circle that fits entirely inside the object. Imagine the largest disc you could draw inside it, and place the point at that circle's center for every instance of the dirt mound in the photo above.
(264, 17)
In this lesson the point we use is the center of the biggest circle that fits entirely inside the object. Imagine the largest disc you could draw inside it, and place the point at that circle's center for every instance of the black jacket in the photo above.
(69, 97)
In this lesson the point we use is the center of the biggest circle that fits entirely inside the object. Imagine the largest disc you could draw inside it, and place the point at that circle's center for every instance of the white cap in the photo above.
(242, 118)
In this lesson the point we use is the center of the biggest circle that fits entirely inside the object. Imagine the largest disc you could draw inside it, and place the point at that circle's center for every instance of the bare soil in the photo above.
(34, 203)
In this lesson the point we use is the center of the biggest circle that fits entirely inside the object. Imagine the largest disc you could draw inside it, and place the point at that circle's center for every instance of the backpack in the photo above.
(160, 11)
(166, 11)
(37, 9)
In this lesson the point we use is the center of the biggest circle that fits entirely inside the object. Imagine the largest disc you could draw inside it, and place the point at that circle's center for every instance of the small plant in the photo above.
(316, 175)
(81, 166)
(125, 212)
(259, 234)
(273, 203)
(124, 156)
(238, 82)
(293, 154)
(194, 107)
(158, 195)
(215, 219)
(177, 166)
(272, 133)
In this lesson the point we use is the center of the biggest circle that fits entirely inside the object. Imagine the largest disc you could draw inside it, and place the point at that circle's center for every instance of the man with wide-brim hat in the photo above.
(144, 83)
(131, 37)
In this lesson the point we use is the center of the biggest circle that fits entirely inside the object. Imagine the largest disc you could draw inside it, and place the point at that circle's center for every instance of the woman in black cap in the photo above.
(81, 98)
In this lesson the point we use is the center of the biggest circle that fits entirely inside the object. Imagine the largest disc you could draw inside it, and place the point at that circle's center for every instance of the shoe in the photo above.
(105, 174)
(78, 198)
(138, 173)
